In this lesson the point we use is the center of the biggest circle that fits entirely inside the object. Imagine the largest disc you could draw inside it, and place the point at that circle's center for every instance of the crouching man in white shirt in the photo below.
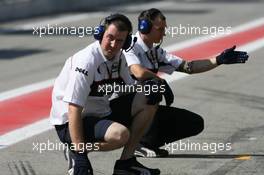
(145, 60)
(81, 112)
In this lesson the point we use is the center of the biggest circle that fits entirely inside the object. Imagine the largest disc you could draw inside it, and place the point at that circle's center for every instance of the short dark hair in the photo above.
(151, 15)
(121, 22)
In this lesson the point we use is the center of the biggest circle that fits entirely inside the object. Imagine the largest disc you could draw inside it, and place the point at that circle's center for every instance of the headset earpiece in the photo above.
(127, 42)
(98, 34)
(144, 26)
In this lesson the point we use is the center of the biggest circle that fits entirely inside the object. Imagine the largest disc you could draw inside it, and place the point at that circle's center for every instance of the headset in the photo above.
(145, 20)
(107, 21)
(144, 26)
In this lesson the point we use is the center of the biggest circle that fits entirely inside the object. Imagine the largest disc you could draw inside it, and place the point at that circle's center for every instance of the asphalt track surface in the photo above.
(229, 98)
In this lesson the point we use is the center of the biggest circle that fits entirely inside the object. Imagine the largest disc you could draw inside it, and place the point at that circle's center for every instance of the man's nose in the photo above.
(113, 43)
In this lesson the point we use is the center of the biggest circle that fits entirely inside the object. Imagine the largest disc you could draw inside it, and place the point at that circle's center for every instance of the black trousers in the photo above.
(171, 124)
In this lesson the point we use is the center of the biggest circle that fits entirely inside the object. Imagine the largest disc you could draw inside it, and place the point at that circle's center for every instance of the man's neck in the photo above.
(146, 40)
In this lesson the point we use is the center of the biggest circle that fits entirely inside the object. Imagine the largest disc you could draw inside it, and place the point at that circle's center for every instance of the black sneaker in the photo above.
(68, 157)
(82, 169)
(142, 151)
(133, 167)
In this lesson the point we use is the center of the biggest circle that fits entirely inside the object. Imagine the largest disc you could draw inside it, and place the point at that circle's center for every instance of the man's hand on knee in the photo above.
(156, 89)
(152, 91)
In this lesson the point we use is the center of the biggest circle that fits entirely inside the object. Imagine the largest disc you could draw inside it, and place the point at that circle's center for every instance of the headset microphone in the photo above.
(159, 44)
(134, 41)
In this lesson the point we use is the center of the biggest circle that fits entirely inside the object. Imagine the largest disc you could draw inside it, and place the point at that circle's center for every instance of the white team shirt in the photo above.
(73, 85)
(152, 58)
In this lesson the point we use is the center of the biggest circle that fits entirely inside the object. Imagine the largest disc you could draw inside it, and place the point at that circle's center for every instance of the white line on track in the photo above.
(24, 133)
(25, 89)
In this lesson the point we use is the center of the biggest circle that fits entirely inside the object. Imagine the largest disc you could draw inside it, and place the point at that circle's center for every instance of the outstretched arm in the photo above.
(229, 56)
(197, 66)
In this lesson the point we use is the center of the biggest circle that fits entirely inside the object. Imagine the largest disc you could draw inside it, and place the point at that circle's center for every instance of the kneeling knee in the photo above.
(199, 124)
(120, 136)
(123, 136)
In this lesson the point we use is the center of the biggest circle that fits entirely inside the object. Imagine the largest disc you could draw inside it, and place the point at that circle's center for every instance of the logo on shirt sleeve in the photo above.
(83, 71)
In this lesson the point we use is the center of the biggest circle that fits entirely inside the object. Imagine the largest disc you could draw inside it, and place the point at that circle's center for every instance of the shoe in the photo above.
(83, 166)
(68, 156)
(133, 167)
(142, 151)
